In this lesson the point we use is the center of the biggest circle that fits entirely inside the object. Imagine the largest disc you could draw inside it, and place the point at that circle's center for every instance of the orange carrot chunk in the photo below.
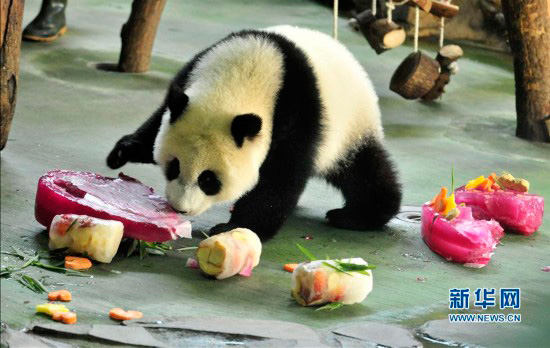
(121, 314)
(65, 317)
(59, 295)
(290, 267)
(77, 263)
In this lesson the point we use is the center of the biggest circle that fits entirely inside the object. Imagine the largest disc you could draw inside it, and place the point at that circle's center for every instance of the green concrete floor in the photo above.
(69, 115)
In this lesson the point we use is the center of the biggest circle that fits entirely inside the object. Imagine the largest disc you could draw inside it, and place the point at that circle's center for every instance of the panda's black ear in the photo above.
(177, 101)
(245, 126)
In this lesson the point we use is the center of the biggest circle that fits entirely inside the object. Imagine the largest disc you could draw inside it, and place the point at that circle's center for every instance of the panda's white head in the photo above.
(207, 153)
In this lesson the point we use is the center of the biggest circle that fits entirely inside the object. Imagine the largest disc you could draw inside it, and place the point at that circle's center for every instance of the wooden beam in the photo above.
(11, 19)
(425, 5)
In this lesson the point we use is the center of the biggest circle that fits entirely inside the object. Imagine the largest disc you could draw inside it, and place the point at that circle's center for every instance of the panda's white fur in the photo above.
(341, 81)
(223, 85)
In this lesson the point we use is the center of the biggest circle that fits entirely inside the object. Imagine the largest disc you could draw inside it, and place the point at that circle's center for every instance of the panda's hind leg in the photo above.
(369, 183)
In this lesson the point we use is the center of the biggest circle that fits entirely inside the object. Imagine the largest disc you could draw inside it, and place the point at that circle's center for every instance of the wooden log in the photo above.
(445, 57)
(364, 20)
(441, 9)
(528, 23)
(11, 19)
(415, 76)
(448, 54)
(138, 35)
(439, 87)
(383, 35)
(425, 5)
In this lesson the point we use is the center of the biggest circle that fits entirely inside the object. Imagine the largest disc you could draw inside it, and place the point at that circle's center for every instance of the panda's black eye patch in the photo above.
(209, 183)
(173, 169)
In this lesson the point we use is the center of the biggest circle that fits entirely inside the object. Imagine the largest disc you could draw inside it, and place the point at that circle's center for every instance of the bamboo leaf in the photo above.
(330, 306)
(306, 252)
(132, 247)
(336, 268)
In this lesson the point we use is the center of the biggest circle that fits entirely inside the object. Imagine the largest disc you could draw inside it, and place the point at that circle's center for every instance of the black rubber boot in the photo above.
(49, 24)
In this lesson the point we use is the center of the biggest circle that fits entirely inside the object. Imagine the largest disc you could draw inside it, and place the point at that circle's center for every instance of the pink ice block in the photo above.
(145, 215)
(463, 239)
(515, 211)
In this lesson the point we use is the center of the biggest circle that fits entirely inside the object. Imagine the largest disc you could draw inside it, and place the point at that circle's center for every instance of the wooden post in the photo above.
(528, 23)
(138, 35)
(11, 18)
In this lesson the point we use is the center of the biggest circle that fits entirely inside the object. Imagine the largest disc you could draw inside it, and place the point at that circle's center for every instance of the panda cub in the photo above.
(254, 116)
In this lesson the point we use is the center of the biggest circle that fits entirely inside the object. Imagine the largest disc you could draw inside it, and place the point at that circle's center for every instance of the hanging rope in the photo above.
(416, 27)
(374, 7)
(442, 27)
(335, 20)
(391, 6)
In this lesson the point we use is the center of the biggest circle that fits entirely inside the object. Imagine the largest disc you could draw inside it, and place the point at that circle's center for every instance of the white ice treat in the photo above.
(315, 283)
(229, 253)
(98, 238)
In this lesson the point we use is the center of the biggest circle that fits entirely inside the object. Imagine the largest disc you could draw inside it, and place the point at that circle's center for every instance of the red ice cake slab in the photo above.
(462, 239)
(144, 214)
(514, 210)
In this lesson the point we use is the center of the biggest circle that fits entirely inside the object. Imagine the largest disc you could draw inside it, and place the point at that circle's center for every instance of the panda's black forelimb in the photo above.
(370, 186)
(138, 146)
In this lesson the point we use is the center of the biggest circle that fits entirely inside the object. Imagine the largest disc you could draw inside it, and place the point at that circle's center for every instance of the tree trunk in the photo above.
(11, 18)
(138, 35)
(528, 23)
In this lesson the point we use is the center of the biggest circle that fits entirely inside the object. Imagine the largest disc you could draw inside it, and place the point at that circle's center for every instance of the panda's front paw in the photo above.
(127, 149)
(220, 228)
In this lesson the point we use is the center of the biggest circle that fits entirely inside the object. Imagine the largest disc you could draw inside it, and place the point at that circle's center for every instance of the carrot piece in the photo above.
(65, 317)
(121, 314)
(77, 263)
(59, 295)
(290, 267)
(319, 281)
(439, 200)
(135, 314)
(485, 185)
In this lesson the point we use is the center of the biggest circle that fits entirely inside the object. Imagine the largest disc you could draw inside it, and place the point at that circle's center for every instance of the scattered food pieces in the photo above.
(191, 263)
(121, 314)
(60, 295)
(77, 263)
(421, 279)
(145, 215)
(51, 308)
(345, 281)
(505, 200)
(308, 237)
(65, 317)
(290, 267)
(98, 238)
(229, 253)
(545, 269)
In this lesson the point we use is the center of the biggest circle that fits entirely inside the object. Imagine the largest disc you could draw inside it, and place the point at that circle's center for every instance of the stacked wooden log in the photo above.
(420, 76)
(381, 34)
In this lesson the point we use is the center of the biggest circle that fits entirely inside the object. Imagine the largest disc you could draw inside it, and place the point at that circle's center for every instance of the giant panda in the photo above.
(254, 116)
